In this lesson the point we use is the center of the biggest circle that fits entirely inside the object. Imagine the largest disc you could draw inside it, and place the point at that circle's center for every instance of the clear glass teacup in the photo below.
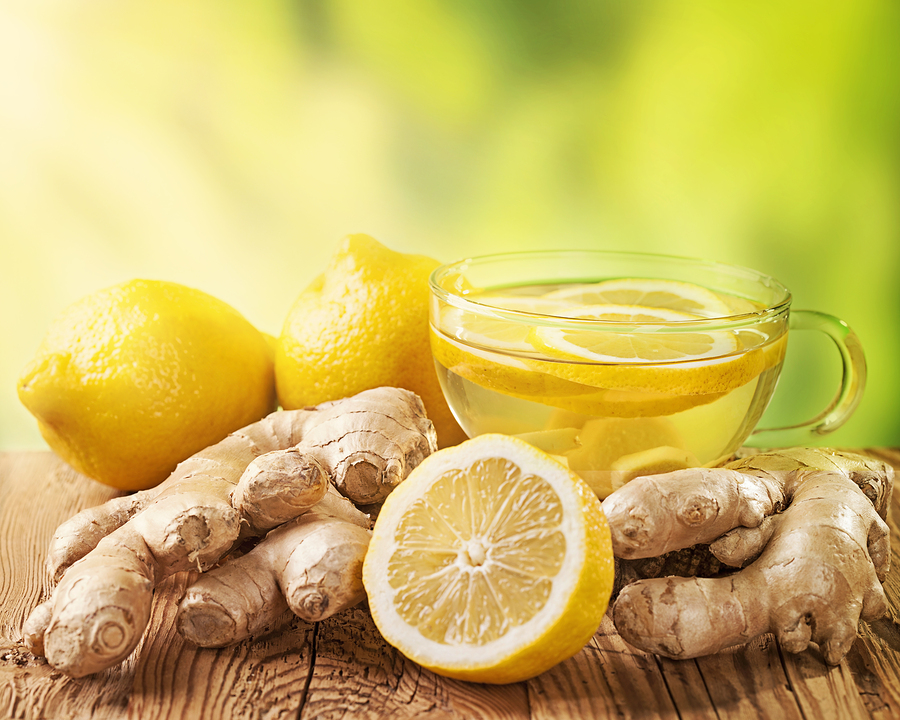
(623, 364)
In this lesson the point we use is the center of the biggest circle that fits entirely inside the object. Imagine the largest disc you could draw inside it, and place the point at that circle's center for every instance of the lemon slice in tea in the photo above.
(491, 562)
(612, 346)
(481, 329)
(658, 373)
(647, 292)
(538, 304)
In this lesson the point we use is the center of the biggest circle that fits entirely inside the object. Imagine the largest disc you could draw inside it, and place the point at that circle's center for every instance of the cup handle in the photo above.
(853, 382)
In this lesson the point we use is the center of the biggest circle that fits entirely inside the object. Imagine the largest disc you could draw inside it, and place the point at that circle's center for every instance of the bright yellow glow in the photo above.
(231, 146)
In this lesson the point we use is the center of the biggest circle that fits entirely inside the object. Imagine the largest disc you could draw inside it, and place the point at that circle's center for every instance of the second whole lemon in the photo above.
(133, 379)
(363, 323)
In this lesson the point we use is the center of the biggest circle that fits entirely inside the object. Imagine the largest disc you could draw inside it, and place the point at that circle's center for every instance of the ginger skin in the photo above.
(311, 565)
(807, 527)
(110, 558)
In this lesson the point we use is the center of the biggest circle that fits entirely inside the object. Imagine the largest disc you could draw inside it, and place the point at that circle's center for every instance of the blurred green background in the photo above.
(230, 145)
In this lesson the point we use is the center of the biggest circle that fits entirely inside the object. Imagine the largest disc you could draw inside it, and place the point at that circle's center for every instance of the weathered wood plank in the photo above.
(626, 674)
(254, 680)
(342, 668)
(823, 691)
(747, 681)
(874, 661)
(358, 675)
(37, 493)
(577, 688)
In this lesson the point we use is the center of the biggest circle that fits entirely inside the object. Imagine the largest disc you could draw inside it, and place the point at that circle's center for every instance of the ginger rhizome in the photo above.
(807, 527)
(109, 559)
(311, 565)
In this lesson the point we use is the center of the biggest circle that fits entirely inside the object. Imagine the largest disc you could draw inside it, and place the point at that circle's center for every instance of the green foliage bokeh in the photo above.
(229, 146)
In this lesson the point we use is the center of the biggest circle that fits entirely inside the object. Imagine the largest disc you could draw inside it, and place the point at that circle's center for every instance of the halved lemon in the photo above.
(647, 292)
(491, 562)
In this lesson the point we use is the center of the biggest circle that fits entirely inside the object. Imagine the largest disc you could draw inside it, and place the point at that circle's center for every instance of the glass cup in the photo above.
(623, 364)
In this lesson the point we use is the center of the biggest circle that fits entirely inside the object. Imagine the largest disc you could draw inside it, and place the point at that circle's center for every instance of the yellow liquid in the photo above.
(608, 421)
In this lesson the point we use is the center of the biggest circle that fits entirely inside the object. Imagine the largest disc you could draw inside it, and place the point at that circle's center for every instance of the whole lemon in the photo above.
(133, 379)
(363, 323)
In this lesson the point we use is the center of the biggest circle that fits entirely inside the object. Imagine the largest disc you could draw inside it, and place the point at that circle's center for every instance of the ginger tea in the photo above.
(617, 378)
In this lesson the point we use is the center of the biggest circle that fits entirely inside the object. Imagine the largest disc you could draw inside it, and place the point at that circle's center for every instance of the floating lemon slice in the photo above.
(544, 382)
(491, 562)
(683, 365)
(497, 371)
(606, 441)
(611, 390)
(477, 327)
(538, 304)
(602, 373)
(608, 345)
(646, 292)
(479, 330)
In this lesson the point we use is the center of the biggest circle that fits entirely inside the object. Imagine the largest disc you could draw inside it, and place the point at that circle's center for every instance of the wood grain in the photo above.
(341, 668)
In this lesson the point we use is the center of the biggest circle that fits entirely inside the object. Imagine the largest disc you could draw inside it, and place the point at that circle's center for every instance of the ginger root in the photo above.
(807, 525)
(311, 565)
(109, 559)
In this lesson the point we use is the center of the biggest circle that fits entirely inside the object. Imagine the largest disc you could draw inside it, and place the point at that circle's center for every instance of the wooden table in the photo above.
(341, 668)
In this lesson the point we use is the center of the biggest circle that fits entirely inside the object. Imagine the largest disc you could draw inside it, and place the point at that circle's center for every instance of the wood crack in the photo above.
(313, 651)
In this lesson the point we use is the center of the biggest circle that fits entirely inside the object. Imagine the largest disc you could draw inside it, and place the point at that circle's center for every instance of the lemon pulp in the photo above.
(491, 562)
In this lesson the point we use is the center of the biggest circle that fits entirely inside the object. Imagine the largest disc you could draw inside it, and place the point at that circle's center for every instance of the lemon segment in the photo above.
(605, 443)
(492, 562)
(654, 461)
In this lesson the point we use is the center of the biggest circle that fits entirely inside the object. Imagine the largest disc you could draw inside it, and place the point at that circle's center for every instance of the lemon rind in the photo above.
(492, 657)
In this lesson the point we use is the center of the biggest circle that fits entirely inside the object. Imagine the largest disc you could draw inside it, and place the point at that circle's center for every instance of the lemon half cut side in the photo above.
(491, 562)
